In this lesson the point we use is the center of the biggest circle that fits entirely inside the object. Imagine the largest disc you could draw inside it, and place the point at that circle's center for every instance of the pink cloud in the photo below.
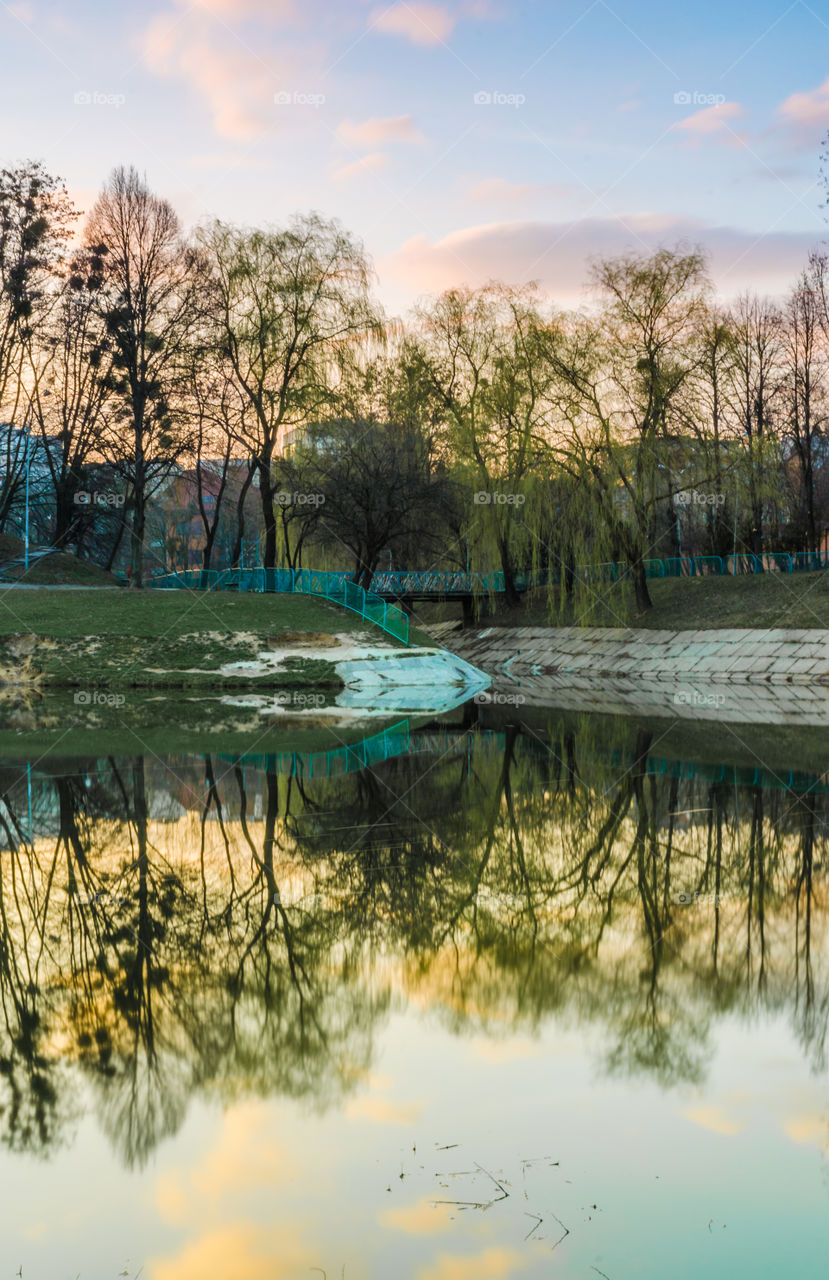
(500, 191)
(711, 119)
(242, 8)
(377, 130)
(422, 23)
(366, 164)
(192, 43)
(238, 89)
(557, 254)
(806, 115)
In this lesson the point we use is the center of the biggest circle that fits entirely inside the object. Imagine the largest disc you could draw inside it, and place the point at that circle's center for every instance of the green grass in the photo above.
(149, 614)
(799, 601)
(167, 639)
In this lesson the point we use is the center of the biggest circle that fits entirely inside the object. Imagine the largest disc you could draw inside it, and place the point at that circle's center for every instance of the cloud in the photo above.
(379, 129)
(806, 116)
(557, 254)
(243, 1252)
(500, 191)
(382, 1111)
(422, 23)
(209, 1200)
(23, 12)
(366, 164)
(713, 1118)
(424, 1218)
(242, 8)
(239, 1162)
(711, 119)
(492, 1264)
(811, 1129)
(193, 43)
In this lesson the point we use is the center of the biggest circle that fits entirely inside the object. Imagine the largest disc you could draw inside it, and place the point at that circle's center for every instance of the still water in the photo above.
(475, 1000)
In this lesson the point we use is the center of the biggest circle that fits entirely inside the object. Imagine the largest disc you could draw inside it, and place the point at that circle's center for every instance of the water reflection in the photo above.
(221, 926)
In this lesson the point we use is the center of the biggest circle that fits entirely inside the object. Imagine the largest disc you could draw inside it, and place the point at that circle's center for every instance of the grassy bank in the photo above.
(172, 640)
(57, 569)
(766, 600)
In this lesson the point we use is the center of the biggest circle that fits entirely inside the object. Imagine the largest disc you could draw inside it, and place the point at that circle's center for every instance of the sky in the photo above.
(460, 141)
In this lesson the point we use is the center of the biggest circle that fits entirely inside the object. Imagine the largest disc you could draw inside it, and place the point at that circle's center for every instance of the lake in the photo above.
(477, 998)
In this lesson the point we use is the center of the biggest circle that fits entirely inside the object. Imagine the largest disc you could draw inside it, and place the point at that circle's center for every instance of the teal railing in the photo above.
(398, 741)
(375, 605)
(381, 746)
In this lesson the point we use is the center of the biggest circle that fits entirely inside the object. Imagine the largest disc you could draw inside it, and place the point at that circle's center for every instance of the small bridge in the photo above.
(378, 605)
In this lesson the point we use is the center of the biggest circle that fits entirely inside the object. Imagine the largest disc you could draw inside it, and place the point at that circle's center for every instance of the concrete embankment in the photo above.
(378, 680)
(775, 676)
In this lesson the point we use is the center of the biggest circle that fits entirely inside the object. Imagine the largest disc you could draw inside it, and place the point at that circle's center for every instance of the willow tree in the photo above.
(284, 300)
(714, 427)
(619, 375)
(481, 358)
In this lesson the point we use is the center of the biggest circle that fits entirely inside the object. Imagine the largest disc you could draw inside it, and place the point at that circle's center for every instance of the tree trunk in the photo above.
(513, 599)
(65, 511)
(809, 485)
(240, 518)
(138, 514)
(116, 544)
(640, 587)
(266, 490)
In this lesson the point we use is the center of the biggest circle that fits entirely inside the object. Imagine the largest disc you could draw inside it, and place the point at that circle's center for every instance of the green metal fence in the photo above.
(341, 590)
(336, 587)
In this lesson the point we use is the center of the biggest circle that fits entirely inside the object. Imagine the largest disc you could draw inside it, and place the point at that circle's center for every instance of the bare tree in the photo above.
(754, 395)
(148, 299)
(369, 488)
(36, 218)
(72, 360)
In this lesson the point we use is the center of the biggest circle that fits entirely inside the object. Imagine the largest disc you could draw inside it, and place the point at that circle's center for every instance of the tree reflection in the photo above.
(205, 925)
